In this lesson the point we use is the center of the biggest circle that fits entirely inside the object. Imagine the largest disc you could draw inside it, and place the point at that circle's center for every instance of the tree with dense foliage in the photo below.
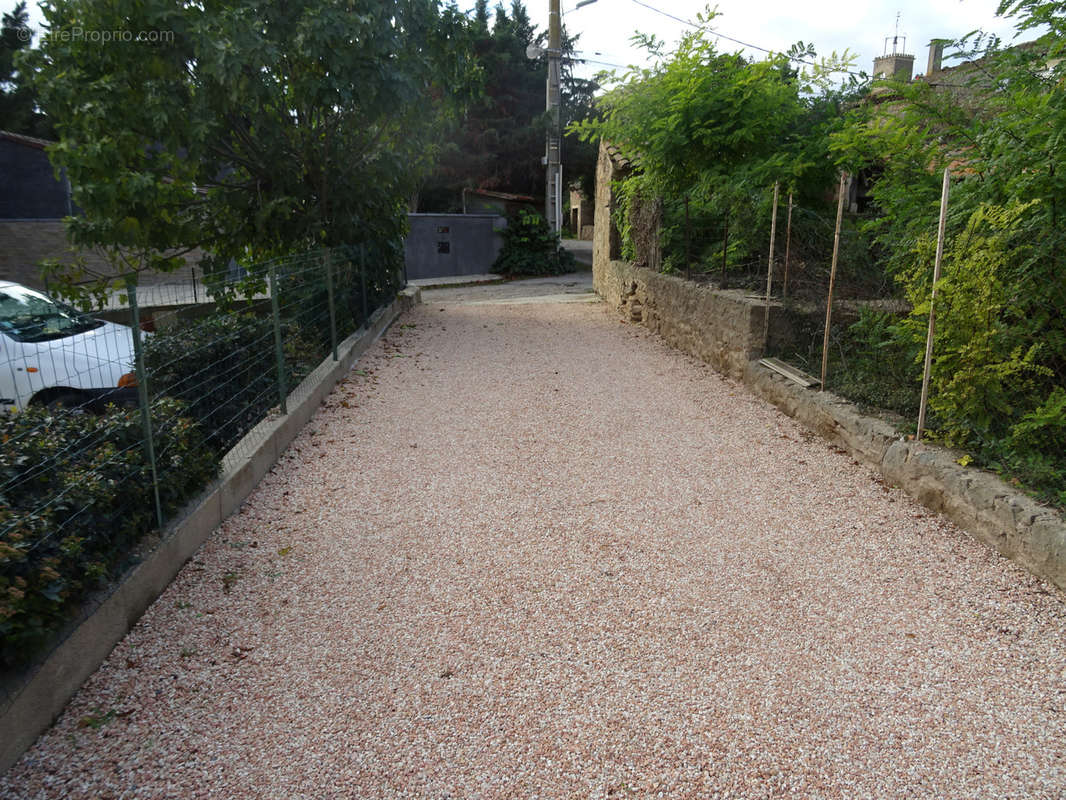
(501, 139)
(495, 144)
(717, 128)
(246, 129)
(18, 101)
(998, 122)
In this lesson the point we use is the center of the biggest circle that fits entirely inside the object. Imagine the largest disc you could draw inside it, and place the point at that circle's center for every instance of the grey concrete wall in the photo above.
(725, 330)
(446, 245)
(25, 243)
(30, 701)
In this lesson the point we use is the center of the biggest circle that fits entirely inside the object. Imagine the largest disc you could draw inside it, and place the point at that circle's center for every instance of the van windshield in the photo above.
(29, 316)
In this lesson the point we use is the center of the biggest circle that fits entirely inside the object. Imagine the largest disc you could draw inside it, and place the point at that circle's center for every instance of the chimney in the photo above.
(936, 56)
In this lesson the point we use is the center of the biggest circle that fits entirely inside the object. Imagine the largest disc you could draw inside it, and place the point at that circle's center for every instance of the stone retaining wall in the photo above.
(725, 330)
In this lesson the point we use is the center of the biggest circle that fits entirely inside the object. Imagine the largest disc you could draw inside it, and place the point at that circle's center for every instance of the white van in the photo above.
(52, 355)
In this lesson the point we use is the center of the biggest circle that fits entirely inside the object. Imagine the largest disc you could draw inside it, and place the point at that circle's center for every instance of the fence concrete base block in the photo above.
(288, 430)
(31, 700)
(302, 413)
(238, 480)
(725, 329)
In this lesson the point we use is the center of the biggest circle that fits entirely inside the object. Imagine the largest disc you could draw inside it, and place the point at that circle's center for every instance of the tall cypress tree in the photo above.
(481, 18)
(500, 143)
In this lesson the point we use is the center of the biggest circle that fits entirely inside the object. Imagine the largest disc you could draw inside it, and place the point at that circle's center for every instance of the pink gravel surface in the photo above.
(528, 551)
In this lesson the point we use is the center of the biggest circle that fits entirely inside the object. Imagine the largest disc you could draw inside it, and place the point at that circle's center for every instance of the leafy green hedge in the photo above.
(75, 497)
(530, 248)
(223, 367)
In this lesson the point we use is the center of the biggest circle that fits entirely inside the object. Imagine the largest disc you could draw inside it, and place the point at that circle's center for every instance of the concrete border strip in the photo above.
(33, 699)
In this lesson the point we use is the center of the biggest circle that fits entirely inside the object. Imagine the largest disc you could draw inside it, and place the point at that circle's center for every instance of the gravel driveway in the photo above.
(529, 551)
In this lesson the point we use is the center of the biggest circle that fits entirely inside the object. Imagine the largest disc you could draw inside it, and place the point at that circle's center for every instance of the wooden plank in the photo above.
(790, 372)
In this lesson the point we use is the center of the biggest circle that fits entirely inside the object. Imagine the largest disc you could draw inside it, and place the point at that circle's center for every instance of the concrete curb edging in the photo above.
(724, 329)
(27, 709)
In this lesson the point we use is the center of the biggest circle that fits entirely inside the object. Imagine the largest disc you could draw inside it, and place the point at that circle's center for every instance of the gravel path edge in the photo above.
(31, 699)
(993, 512)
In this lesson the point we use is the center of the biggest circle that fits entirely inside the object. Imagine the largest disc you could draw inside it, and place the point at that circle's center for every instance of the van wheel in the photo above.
(70, 402)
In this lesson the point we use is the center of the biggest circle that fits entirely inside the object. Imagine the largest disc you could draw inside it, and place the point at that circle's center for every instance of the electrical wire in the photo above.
(602, 63)
(580, 59)
(719, 35)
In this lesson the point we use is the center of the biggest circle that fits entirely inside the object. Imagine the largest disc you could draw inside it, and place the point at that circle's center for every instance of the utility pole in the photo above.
(553, 190)
(553, 158)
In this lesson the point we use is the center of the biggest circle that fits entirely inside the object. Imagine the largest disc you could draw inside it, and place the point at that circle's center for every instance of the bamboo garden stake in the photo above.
(788, 245)
(832, 277)
(932, 303)
(725, 250)
(769, 273)
(688, 247)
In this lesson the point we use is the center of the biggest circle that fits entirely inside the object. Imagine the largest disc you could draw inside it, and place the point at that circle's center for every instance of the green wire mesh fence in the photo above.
(998, 369)
(115, 420)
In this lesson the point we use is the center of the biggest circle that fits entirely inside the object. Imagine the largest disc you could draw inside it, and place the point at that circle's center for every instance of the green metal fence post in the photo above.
(279, 350)
(362, 280)
(142, 393)
(332, 304)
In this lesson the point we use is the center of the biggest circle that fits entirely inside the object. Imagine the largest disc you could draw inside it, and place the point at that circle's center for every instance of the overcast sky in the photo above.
(861, 27)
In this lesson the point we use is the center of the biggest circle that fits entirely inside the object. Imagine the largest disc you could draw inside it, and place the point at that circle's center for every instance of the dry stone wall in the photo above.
(724, 328)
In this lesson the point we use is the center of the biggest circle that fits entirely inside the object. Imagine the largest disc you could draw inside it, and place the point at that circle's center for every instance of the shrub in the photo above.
(877, 365)
(1036, 448)
(996, 381)
(530, 248)
(224, 368)
(990, 364)
(75, 497)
